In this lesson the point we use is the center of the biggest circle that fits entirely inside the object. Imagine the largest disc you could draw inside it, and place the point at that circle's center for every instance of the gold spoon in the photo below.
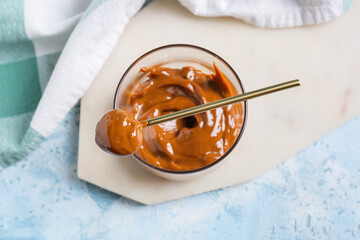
(125, 135)
(220, 103)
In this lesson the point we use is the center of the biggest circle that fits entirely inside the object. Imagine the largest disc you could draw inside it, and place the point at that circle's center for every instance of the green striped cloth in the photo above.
(67, 42)
(32, 36)
(23, 78)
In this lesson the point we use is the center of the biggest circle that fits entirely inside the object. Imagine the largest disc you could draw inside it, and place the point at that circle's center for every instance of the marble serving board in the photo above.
(326, 58)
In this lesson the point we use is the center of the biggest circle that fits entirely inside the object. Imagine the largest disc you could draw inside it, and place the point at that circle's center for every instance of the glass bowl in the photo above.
(177, 56)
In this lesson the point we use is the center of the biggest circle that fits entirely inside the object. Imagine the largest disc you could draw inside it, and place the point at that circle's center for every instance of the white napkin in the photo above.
(103, 22)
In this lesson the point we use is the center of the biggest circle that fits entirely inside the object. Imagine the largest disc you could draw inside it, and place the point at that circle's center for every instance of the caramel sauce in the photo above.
(192, 142)
(119, 132)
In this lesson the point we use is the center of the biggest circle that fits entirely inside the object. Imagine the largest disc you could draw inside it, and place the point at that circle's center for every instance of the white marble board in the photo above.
(326, 58)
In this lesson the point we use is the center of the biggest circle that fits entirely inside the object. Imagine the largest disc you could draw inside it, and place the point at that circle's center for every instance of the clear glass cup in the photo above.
(177, 56)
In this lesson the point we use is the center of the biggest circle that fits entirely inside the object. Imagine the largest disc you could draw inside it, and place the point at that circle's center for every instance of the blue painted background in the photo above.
(313, 195)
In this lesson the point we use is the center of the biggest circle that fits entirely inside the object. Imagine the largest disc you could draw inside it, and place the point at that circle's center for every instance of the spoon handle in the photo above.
(220, 103)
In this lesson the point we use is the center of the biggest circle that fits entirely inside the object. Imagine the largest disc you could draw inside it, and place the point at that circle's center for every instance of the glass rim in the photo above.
(237, 78)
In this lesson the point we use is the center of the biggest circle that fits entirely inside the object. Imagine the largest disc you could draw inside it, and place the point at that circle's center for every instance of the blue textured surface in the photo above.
(313, 195)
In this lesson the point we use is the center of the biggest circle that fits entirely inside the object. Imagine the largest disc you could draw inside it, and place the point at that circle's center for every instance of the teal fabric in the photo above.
(23, 79)
(20, 89)
(14, 44)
